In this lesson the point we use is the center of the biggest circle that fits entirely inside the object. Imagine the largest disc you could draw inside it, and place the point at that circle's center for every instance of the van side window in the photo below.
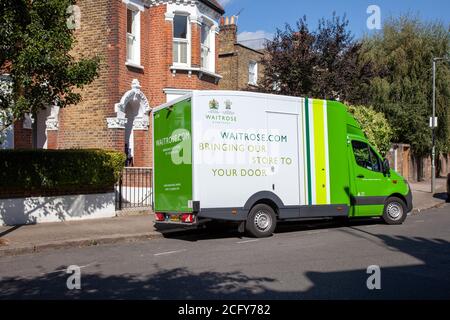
(365, 157)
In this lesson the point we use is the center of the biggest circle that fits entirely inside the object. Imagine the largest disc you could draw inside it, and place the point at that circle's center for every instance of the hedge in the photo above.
(57, 172)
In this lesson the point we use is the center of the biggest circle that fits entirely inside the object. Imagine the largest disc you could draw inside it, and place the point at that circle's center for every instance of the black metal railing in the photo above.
(134, 189)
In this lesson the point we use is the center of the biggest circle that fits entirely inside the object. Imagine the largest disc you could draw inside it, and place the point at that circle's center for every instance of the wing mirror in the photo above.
(386, 167)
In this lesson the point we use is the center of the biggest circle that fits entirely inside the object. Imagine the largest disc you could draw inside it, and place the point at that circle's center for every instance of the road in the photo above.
(308, 260)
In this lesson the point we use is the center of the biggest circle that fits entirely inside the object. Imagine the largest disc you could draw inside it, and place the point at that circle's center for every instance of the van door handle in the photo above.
(360, 176)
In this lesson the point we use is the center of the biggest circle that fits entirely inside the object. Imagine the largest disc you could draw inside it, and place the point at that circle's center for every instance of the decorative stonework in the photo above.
(28, 121)
(52, 122)
(116, 123)
(141, 120)
(141, 123)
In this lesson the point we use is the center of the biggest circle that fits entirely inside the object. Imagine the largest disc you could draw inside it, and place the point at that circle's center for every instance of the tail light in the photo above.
(187, 218)
(160, 216)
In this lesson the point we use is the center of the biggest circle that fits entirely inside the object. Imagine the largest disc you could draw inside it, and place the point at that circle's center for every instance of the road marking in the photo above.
(65, 270)
(168, 252)
(316, 232)
(247, 241)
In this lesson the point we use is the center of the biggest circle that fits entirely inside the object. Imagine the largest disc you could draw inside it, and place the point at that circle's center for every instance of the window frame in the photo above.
(371, 153)
(135, 58)
(253, 81)
(178, 41)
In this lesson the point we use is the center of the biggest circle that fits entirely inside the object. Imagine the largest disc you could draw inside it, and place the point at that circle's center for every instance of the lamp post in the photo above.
(433, 126)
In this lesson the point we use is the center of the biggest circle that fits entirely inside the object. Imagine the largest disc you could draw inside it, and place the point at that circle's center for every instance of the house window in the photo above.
(253, 73)
(180, 39)
(133, 37)
(206, 47)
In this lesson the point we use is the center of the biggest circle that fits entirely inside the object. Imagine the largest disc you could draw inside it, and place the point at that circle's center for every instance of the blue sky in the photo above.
(260, 18)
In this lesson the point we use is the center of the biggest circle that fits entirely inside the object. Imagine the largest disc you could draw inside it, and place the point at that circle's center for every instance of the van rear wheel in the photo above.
(261, 221)
(394, 211)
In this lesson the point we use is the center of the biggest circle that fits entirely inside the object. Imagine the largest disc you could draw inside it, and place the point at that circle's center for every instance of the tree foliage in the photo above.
(375, 127)
(401, 56)
(35, 43)
(322, 63)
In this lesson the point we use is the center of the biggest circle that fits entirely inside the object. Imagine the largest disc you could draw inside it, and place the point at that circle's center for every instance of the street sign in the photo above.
(433, 124)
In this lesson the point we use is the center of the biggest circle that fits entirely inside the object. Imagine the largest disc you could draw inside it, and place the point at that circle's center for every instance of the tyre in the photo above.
(261, 221)
(394, 211)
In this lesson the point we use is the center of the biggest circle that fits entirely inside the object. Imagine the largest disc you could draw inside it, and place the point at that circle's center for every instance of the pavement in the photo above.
(364, 259)
(134, 227)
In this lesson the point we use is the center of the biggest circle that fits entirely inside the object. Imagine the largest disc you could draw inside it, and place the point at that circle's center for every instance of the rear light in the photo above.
(187, 218)
(160, 216)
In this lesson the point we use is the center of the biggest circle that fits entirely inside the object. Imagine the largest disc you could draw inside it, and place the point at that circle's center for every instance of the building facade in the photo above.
(239, 62)
(152, 51)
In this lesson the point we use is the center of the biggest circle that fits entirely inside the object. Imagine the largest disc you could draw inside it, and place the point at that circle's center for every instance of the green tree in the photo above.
(375, 127)
(35, 42)
(401, 56)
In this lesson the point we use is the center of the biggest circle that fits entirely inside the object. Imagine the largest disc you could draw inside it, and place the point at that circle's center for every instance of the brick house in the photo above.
(153, 51)
(239, 62)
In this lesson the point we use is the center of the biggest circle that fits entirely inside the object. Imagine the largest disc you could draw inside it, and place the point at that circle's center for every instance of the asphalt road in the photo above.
(308, 260)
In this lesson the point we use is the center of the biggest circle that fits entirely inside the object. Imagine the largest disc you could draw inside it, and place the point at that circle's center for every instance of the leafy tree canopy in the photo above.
(322, 63)
(401, 57)
(375, 127)
(35, 42)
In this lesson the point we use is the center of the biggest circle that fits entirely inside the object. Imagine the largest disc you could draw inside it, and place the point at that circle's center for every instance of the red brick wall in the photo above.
(103, 33)
(23, 138)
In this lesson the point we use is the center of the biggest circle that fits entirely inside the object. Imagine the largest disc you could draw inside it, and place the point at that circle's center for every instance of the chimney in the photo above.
(228, 34)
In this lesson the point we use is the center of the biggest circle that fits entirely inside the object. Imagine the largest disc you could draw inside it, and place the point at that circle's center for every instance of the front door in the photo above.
(369, 179)
(282, 152)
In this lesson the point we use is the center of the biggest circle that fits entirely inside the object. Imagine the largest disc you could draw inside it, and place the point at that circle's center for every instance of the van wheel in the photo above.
(261, 221)
(394, 211)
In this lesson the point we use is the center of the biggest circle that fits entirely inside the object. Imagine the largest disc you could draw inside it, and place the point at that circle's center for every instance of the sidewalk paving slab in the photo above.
(135, 227)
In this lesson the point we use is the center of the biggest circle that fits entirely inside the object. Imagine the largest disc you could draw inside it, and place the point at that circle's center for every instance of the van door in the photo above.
(370, 182)
(282, 152)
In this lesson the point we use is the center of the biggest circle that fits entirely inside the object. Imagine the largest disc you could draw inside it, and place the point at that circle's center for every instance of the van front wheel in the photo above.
(261, 221)
(394, 211)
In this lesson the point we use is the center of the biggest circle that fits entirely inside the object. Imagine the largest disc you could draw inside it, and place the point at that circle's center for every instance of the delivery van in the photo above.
(258, 158)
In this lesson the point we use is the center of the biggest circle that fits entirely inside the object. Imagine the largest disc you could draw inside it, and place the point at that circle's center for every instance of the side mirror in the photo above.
(386, 167)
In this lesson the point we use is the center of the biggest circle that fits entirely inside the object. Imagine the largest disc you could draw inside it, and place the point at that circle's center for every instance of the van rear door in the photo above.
(173, 158)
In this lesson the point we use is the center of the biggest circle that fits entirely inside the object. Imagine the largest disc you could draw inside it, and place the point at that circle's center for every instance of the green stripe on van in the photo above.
(308, 151)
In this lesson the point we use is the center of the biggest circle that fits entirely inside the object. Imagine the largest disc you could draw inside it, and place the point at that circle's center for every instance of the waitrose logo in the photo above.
(221, 117)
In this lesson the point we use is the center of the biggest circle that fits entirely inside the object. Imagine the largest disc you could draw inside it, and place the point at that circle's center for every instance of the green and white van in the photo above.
(257, 158)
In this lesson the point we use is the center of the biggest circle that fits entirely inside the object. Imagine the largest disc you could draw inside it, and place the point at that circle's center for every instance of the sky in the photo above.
(261, 18)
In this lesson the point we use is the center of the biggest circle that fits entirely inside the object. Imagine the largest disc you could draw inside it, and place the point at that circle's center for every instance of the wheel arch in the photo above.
(400, 196)
(267, 198)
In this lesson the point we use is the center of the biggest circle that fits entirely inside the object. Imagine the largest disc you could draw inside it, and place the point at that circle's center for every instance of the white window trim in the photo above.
(211, 67)
(136, 60)
(250, 82)
(188, 39)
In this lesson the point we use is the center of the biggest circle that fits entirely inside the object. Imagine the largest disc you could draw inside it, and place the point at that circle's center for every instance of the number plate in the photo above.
(175, 218)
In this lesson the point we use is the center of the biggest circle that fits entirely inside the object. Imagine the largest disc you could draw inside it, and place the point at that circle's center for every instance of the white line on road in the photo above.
(168, 252)
(65, 270)
(318, 231)
(247, 241)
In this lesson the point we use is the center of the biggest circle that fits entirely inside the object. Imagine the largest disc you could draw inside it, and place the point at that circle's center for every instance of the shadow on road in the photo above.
(428, 279)
(223, 230)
